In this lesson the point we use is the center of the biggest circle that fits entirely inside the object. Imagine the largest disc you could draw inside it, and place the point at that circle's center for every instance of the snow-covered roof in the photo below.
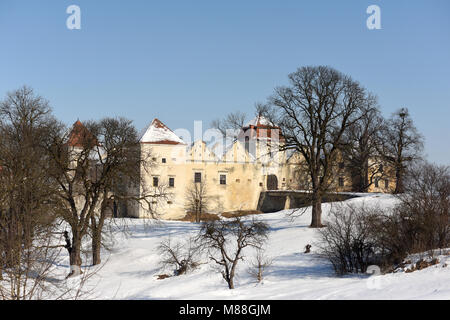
(259, 121)
(158, 133)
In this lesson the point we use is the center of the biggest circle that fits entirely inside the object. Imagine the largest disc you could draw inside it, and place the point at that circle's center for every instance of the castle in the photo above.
(234, 171)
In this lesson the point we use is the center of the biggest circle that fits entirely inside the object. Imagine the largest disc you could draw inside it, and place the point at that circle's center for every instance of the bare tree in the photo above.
(425, 206)
(231, 124)
(90, 165)
(313, 113)
(72, 158)
(118, 165)
(29, 239)
(197, 199)
(401, 145)
(361, 145)
(260, 264)
(225, 241)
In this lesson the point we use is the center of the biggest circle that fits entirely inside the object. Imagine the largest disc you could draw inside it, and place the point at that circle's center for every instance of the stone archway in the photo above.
(272, 182)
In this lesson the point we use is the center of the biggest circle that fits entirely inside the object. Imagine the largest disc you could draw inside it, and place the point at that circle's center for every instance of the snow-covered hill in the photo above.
(131, 268)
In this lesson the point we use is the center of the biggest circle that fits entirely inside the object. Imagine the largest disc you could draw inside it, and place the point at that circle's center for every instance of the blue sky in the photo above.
(182, 61)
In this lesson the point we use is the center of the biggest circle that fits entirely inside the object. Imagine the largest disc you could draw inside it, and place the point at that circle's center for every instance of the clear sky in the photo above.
(182, 61)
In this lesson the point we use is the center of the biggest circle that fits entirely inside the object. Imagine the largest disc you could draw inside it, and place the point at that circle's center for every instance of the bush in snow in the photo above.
(421, 221)
(357, 236)
(182, 257)
(347, 240)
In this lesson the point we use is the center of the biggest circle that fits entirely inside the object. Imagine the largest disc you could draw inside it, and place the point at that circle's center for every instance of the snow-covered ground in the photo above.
(132, 266)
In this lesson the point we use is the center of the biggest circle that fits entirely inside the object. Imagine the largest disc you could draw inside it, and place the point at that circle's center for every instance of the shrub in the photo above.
(182, 257)
(356, 236)
(347, 240)
(421, 221)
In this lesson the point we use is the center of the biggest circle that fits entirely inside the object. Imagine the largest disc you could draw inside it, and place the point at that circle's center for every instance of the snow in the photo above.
(131, 267)
(259, 121)
(159, 132)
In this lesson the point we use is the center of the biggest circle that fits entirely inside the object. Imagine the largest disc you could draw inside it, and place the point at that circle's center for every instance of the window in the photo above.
(381, 168)
(260, 184)
(171, 182)
(198, 177)
(376, 182)
(341, 165)
(247, 144)
(223, 179)
(155, 181)
(164, 160)
(238, 180)
(341, 182)
(386, 184)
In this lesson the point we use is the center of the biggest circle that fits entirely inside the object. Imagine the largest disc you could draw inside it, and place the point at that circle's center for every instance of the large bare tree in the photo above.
(28, 232)
(94, 165)
(119, 164)
(401, 145)
(314, 112)
(361, 144)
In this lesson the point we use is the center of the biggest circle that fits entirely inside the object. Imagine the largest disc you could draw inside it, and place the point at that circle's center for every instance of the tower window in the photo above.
(198, 177)
(223, 179)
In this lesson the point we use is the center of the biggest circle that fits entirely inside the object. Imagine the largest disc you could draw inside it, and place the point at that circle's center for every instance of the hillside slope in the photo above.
(131, 268)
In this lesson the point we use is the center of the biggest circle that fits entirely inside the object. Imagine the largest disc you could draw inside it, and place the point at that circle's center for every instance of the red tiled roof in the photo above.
(260, 128)
(79, 135)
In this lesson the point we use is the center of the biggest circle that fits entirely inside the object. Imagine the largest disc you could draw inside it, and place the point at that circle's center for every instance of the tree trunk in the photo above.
(231, 279)
(365, 186)
(399, 181)
(231, 284)
(96, 245)
(75, 256)
(316, 221)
